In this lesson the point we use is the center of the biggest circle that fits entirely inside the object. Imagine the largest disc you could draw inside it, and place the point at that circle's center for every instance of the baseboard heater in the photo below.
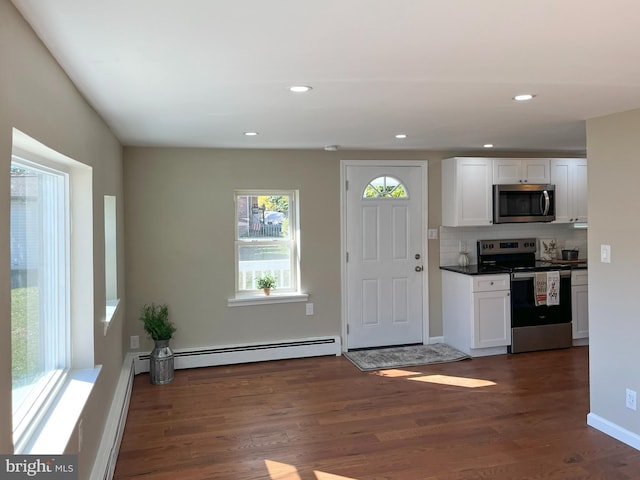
(255, 352)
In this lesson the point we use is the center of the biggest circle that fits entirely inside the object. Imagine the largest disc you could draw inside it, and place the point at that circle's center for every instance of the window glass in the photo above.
(39, 285)
(266, 239)
(385, 187)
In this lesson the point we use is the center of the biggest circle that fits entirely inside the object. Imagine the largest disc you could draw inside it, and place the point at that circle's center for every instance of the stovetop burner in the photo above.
(491, 269)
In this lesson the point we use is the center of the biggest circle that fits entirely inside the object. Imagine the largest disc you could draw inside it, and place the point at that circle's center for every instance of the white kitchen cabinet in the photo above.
(580, 304)
(569, 175)
(476, 312)
(467, 191)
(508, 171)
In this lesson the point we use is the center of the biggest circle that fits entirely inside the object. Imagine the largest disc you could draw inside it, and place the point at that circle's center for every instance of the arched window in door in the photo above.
(385, 187)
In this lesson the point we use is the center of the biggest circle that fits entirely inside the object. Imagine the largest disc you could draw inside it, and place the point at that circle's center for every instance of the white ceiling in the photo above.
(199, 73)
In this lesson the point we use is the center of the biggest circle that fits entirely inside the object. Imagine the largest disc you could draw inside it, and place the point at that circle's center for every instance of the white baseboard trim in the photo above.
(433, 340)
(105, 462)
(613, 430)
(254, 352)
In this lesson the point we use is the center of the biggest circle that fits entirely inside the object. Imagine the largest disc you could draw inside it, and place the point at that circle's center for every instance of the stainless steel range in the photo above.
(532, 327)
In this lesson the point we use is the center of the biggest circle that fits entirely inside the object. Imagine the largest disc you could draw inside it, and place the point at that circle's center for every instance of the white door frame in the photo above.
(423, 164)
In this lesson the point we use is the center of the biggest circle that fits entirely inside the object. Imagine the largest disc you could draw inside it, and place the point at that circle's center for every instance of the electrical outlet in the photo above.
(432, 233)
(134, 342)
(631, 399)
(309, 310)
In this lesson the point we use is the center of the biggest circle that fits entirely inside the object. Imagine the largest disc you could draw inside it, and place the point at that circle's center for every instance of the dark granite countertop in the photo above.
(476, 270)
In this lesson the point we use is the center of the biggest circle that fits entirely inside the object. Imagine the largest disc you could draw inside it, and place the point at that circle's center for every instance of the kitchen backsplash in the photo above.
(453, 239)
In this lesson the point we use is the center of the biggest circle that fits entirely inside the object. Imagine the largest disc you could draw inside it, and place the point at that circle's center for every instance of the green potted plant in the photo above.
(266, 282)
(157, 325)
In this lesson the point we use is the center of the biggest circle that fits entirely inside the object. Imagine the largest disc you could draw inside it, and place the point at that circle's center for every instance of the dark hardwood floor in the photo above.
(503, 417)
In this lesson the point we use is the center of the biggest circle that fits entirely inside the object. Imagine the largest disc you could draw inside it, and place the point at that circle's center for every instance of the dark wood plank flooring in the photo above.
(503, 417)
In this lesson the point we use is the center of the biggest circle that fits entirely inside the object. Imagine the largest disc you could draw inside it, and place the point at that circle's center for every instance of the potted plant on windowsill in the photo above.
(157, 325)
(266, 282)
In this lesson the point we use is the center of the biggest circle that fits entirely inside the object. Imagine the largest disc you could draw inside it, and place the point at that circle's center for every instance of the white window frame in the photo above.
(279, 295)
(28, 415)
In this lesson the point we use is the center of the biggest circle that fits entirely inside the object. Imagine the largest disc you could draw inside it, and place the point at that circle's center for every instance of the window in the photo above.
(385, 187)
(266, 240)
(52, 295)
(110, 257)
(40, 320)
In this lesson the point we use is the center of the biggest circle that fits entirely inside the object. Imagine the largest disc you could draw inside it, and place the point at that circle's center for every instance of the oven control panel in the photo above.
(504, 246)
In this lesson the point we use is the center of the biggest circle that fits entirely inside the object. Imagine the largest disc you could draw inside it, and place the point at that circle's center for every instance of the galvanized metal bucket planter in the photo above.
(161, 363)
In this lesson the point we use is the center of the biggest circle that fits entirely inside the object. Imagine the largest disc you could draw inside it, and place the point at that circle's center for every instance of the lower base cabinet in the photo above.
(580, 304)
(476, 311)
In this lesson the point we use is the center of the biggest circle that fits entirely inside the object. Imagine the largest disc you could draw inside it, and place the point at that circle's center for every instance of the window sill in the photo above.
(58, 425)
(242, 301)
(110, 312)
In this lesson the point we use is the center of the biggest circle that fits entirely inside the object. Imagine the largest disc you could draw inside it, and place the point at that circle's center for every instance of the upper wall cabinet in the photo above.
(466, 191)
(570, 178)
(520, 170)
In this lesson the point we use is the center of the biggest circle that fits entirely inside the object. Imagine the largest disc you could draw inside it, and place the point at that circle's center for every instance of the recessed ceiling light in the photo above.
(523, 97)
(300, 88)
(488, 145)
(401, 135)
(331, 148)
(250, 134)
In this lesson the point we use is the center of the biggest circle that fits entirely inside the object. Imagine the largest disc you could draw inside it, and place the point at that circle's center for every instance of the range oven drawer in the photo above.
(542, 337)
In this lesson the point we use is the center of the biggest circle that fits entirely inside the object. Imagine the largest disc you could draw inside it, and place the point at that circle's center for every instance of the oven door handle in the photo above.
(529, 275)
(522, 276)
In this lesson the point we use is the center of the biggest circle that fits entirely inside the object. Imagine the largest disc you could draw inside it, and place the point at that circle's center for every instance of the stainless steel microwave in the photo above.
(522, 203)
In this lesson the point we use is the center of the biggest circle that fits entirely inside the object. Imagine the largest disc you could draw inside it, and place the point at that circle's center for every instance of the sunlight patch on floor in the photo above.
(281, 471)
(454, 381)
(284, 471)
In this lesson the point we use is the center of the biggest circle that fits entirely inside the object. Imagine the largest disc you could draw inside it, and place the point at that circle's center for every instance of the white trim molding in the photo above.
(252, 352)
(424, 167)
(613, 430)
(105, 463)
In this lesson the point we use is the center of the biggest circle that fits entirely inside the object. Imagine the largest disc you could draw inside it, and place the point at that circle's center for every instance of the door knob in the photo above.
(419, 268)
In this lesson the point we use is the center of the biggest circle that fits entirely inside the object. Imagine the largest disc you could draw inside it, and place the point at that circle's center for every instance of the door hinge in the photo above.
(346, 184)
(347, 257)
(347, 329)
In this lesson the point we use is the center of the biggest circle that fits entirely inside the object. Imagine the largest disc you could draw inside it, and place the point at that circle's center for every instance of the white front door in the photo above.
(385, 258)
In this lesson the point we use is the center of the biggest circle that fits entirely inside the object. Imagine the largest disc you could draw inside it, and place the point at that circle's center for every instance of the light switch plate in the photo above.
(605, 253)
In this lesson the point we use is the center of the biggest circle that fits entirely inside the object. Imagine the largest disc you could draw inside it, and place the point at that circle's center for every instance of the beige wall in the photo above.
(180, 250)
(37, 97)
(613, 146)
